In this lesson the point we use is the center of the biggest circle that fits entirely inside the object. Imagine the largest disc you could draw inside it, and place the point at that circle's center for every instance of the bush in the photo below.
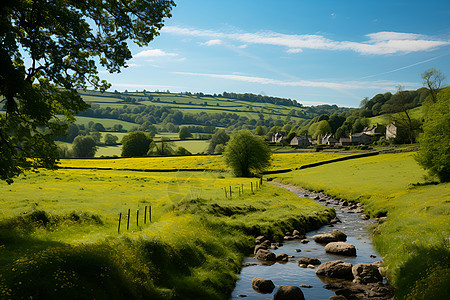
(246, 153)
(84, 146)
(136, 144)
(434, 153)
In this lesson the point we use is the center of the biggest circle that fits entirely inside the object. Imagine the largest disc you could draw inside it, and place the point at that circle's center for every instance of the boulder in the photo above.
(265, 255)
(282, 257)
(260, 239)
(324, 238)
(308, 261)
(299, 236)
(261, 285)
(366, 273)
(304, 241)
(267, 244)
(288, 237)
(286, 292)
(339, 235)
(335, 269)
(364, 217)
(258, 247)
(341, 248)
(337, 297)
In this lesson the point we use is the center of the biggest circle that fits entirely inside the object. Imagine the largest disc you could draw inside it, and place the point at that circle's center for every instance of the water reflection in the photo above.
(289, 273)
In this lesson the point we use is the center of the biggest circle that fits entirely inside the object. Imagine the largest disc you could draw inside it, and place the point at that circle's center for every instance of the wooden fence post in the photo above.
(145, 215)
(150, 213)
(242, 188)
(226, 195)
(231, 193)
(137, 218)
(251, 186)
(120, 217)
(128, 220)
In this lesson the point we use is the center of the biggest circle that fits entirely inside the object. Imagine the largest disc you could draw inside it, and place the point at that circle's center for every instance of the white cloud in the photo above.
(349, 85)
(154, 53)
(212, 42)
(379, 43)
(294, 50)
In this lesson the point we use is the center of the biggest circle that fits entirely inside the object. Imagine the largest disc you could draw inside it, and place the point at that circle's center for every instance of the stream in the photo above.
(289, 273)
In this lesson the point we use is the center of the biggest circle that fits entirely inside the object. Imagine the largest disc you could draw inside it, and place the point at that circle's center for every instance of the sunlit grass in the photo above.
(418, 215)
(280, 161)
(59, 239)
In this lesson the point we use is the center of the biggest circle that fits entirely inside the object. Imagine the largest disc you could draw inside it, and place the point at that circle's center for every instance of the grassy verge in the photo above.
(414, 240)
(58, 233)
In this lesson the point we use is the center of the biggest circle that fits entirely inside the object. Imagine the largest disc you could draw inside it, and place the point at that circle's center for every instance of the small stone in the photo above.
(310, 266)
(242, 296)
(308, 261)
(302, 265)
(364, 217)
(286, 292)
(372, 256)
(282, 257)
(298, 250)
(262, 285)
(305, 286)
(304, 241)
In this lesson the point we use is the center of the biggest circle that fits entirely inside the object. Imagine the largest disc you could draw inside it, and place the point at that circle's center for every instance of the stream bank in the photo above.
(290, 273)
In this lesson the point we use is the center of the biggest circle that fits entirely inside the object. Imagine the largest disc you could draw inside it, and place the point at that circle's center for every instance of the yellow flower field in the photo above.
(280, 161)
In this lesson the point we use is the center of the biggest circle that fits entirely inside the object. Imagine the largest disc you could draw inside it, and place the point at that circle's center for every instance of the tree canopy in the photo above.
(246, 153)
(136, 144)
(434, 153)
(49, 49)
(84, 146)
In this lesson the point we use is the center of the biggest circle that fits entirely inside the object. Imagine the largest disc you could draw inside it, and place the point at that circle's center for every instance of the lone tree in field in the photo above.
(136, 144)
(84, 146)
(49, 49)
(247, 154)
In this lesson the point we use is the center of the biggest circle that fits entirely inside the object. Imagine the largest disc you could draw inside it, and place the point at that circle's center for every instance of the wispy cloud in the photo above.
(154, 53)
(406, 67)
(349, 85)
(212, 42)
(379, 43)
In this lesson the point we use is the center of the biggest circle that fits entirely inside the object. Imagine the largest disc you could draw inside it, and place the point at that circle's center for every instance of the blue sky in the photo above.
(315, 52)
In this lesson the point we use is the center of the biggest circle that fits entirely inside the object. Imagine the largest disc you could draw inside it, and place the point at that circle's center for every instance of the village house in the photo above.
(345, 142)
(361, 139)
(356, 139)
(391, 131)
(277, 137)
(375, 129)
(328, 139)
(301, 141)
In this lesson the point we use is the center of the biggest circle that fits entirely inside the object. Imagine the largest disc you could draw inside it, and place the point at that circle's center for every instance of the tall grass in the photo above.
(58, 233)
(414, 240)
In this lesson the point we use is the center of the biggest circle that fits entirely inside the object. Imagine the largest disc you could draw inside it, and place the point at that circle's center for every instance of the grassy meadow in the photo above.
(280, 161)
(414, 240)
(59, 239)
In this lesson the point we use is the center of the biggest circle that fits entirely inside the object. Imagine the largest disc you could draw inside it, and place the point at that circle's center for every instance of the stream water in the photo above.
(289, 273)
